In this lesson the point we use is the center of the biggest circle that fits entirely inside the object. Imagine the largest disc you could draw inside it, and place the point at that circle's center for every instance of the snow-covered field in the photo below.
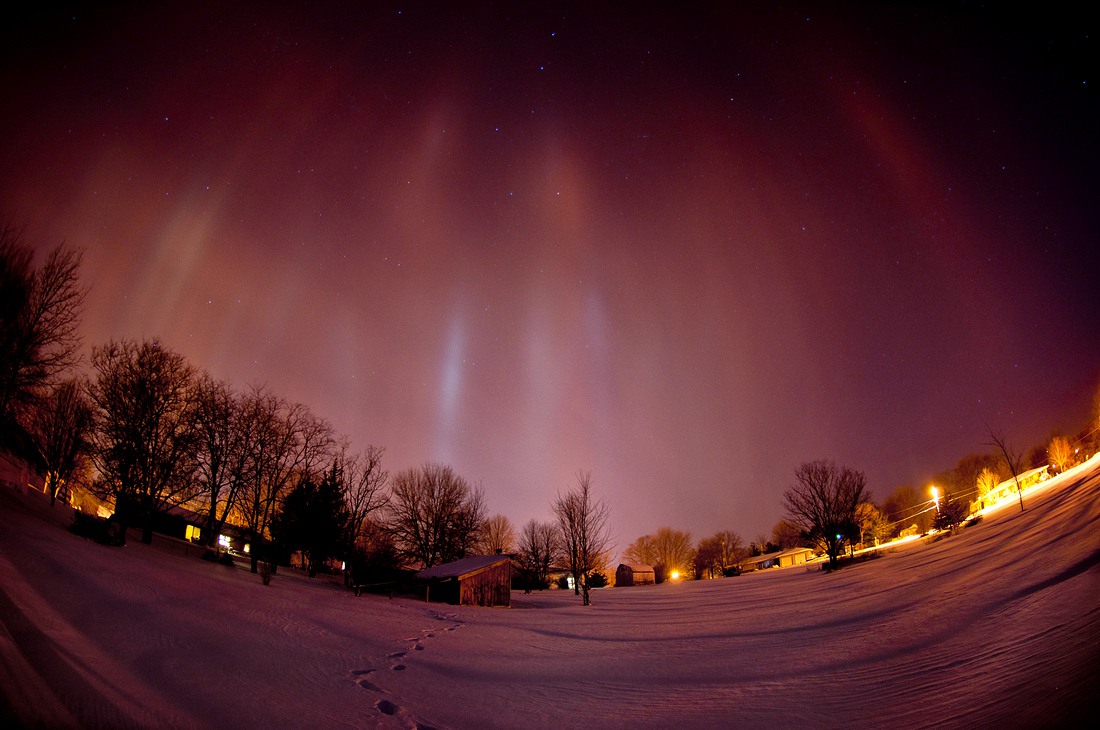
(997, 625)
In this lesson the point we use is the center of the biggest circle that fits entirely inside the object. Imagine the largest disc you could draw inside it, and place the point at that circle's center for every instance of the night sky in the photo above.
(684, 250)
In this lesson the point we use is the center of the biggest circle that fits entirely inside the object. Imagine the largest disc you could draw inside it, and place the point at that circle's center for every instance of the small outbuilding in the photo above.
(634, 575)
(480, 580)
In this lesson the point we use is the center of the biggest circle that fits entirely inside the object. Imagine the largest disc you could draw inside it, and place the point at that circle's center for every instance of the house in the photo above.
(782, 559)
(1007, 488)
(481, 580)
(634, 575)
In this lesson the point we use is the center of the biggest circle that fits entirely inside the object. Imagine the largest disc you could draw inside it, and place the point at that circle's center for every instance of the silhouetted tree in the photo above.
(823, 502)
(1037, 457)
(39, 318)
(365, 496)
(434, 514)
(146, 407)
(1011, 459)
(312, 519)
(583, 525)
(539, 549)
(733, 550)
(375, 557)
(708, 558)
(787, 535)
(286, 442)
(61, 426)
(223, 439)
(959, 481)
(496, 536)
(905, 507)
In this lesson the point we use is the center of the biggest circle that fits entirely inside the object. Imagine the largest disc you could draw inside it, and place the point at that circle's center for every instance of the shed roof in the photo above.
(463, 567)
(637, 568)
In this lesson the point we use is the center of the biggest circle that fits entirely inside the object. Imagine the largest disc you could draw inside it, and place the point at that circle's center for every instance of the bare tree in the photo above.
(1011, 457)
(435, 514)
(733, 549)
(365, 497)
(146, 410)
(708, 557)
(719, 553)
(539, 549)
(823, 503)
(566, 510)
(905, 505)
(39, 317)
(675, 549)
(787, 535)
(642, 551)
(583, 524)
(497, 536)
(667, 550)
(61, 427)
(287, 442)
(1060, 453)
(222, 455)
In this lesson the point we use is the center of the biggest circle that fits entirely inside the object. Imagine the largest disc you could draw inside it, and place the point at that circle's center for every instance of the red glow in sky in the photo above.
(684, 250)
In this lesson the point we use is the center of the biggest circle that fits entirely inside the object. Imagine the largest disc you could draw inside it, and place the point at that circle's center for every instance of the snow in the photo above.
(996, 625)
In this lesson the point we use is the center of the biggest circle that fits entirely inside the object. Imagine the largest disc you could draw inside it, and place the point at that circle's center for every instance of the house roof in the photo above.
(1011, 481)
(464, 567)
(637, 568)
(776, 556)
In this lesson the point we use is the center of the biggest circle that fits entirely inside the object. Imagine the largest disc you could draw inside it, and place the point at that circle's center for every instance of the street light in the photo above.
(936, 497)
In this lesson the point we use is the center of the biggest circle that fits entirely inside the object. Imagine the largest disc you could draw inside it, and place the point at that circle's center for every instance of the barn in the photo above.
(634, 575)
(480, 580)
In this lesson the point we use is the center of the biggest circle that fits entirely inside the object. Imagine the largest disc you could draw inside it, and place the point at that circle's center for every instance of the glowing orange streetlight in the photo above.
(936, 497)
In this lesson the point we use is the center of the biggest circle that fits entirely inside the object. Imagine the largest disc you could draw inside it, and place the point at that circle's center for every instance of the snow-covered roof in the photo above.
(637, 568)
(776, 556)
(459, 568)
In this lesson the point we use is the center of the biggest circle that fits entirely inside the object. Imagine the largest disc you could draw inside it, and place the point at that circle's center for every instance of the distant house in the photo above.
(1007, 488)
(782, 559)
(634, 575)
(481, 580)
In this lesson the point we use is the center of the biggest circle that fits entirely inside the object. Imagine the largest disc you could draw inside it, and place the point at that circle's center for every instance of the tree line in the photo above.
(145, 431)
(829, 508)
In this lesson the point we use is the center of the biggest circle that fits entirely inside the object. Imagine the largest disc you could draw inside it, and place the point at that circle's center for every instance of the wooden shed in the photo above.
(634, 575)
(481, 580)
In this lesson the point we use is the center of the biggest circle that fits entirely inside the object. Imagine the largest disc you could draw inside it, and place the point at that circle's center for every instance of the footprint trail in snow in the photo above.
(385, 706)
